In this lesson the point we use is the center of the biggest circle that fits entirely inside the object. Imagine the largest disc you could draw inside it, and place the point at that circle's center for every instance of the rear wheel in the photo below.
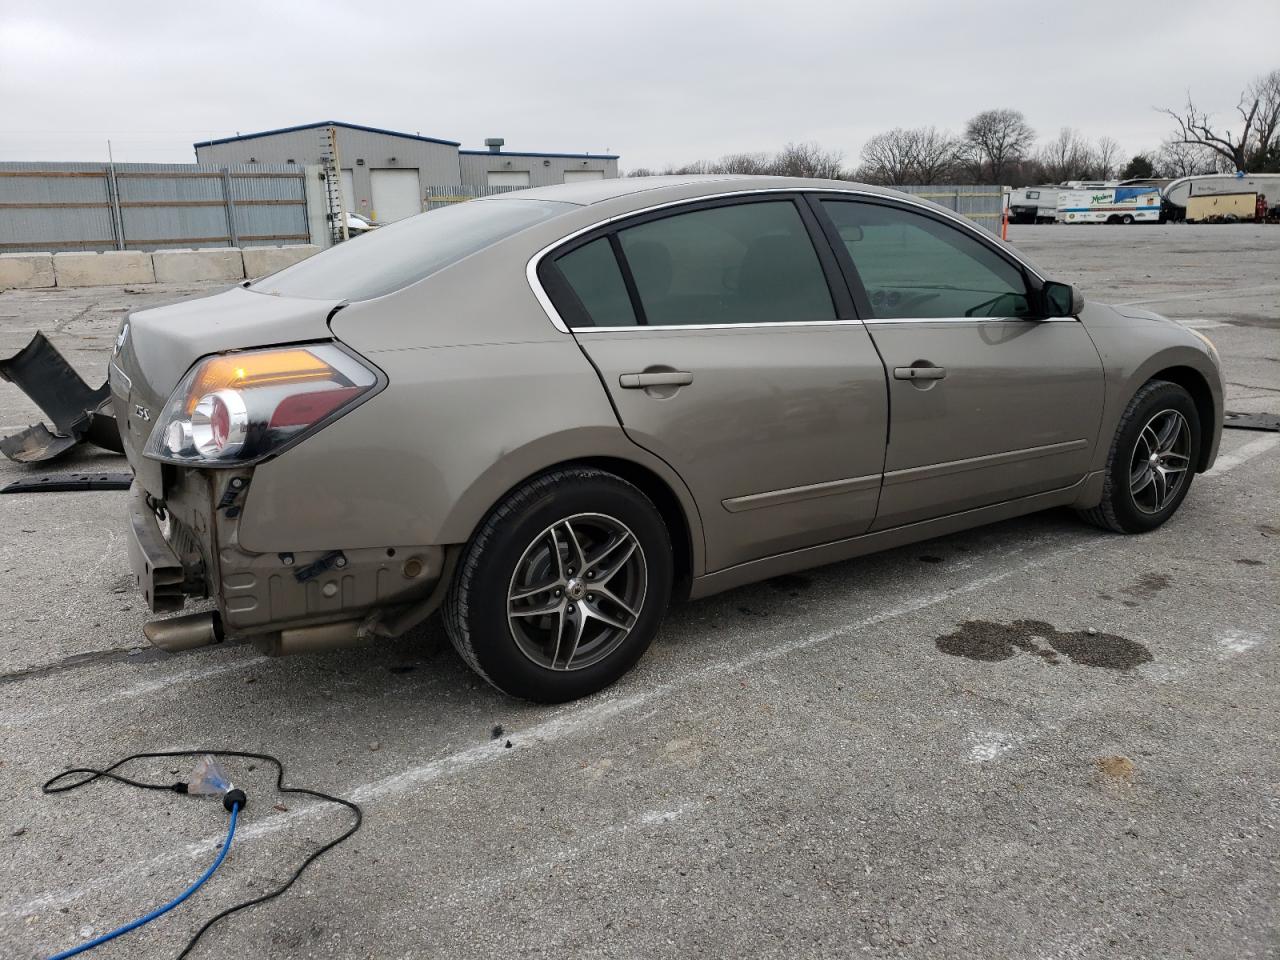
(563, 588)
(1151, 462)
(1127, 219)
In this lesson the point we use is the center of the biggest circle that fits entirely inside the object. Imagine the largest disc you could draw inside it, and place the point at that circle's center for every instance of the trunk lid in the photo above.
(156, 347)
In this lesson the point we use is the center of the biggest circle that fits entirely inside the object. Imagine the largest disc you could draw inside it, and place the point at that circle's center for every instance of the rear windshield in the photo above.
(397, 255)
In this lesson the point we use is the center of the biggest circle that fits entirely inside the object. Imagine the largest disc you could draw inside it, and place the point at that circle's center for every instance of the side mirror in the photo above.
(1061, 299)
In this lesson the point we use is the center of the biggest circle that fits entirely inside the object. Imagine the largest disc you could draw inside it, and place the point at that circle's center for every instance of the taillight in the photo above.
(238, 408)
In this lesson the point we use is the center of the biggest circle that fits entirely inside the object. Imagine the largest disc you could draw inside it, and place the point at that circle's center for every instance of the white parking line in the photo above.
(583, 719)
(1202, 295)
(26, 718)
(580, 719)
(1254, 448)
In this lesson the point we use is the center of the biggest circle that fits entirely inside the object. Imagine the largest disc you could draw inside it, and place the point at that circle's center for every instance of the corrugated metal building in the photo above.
(497, 168)
(387, 175)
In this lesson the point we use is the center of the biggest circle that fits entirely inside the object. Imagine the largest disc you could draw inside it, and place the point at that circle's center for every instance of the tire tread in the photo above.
(458, 600)
(1104, 514)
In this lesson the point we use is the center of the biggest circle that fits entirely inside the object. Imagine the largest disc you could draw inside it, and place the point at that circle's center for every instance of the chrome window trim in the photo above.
(769, 324)
(656, 328)
(531, 268)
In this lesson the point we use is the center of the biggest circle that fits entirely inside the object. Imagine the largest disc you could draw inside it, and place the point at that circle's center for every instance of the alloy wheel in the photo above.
(1161, 459)
(577, 592)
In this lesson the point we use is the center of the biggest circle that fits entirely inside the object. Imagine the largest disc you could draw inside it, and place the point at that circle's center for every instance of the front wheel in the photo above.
(563, 588)
(1151, 462)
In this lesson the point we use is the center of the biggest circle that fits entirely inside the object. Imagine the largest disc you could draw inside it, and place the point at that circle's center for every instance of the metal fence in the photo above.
(444, 196)
(984, 205)
(149, 206)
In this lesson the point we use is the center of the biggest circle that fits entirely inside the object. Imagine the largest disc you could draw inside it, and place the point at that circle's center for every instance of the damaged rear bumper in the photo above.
(286, 602)
(156, 568)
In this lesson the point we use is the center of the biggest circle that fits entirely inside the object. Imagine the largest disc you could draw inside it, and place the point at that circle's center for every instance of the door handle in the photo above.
(666, 378)
(920, 373)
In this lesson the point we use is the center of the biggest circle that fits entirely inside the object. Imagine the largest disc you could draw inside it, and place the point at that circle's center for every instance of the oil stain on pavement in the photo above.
(992, 642)
(1148, 585)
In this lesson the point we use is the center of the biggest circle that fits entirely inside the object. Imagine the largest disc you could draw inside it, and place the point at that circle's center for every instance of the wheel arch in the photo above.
(1195, 383)
(669, 506)
(650, 475)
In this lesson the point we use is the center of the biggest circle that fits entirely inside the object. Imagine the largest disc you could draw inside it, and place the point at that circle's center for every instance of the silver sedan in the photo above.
(548, 414)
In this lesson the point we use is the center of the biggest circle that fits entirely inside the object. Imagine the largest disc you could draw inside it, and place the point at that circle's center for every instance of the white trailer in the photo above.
(1110, 205)
(1177, 193)
(1033, 204)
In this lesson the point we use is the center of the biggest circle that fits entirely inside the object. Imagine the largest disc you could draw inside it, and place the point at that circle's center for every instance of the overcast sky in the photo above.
(655, 81)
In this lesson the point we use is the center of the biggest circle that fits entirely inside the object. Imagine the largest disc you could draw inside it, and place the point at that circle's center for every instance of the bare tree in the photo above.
(755, 164)
(936, 155)
(1266, 90)
(889, 158)
(898, 156)
(793, 160)
(995, 139)
(808, 160)
(1179, 159)
(1259, 121)
(1067, 156)
(1106, 157)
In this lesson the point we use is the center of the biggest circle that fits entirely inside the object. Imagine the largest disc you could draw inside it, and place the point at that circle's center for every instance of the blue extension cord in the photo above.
(160, 911)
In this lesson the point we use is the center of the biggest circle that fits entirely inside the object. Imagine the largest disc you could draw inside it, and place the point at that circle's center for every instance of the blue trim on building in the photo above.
(327, 123)
(521, 153)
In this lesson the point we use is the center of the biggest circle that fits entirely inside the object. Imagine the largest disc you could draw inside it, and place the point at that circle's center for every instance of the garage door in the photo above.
(508, 178)
(396, 194)
(573, 176)
(349, 192)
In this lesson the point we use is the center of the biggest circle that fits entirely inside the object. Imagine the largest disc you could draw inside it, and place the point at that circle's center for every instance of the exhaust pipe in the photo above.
(315, 639)
(184, 633)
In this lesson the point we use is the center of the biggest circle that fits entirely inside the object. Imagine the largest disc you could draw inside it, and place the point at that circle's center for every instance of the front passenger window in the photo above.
(916, 267)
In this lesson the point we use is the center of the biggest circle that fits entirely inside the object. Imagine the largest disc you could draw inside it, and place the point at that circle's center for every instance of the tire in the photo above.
(1139, 494)
(508, 570)
(1127, 219)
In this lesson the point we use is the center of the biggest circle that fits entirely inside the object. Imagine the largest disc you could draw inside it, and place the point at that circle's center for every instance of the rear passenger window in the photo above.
(593, 275)
(746, 263)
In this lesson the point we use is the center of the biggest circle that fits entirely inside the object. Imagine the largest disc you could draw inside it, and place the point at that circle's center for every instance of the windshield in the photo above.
(402, 253)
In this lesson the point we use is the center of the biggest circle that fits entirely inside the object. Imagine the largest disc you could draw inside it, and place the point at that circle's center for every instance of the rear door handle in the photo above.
(667, 378)
(920, 373)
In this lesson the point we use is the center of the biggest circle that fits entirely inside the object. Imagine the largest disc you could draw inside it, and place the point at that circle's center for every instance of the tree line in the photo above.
(1000, 146)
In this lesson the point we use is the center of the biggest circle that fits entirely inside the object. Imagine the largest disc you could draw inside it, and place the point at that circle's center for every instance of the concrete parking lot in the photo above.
(1033, 740)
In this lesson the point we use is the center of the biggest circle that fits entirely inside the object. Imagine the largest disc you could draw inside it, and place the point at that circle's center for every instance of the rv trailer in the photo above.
(1033, 205)
(1110, 205)
(1179, 192)
(1223, 208)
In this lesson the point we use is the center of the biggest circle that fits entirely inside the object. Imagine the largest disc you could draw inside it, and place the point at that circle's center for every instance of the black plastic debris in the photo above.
(70, 482)
(1251, 421)
(80, 414)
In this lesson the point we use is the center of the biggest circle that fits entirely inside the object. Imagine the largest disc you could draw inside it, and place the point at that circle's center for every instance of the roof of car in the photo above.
(596, 191)
(625, 195)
